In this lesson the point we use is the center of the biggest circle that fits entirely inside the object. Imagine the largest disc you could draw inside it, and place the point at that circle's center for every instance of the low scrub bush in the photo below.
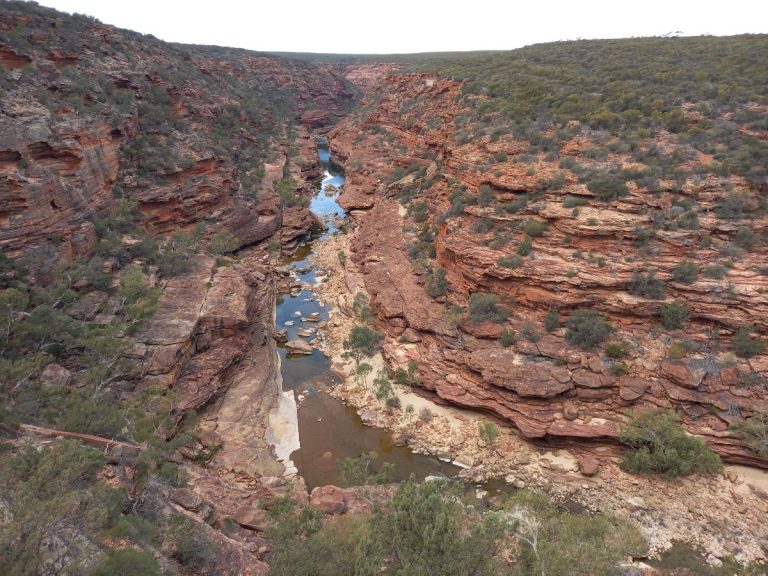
(485, 307)
(586, 328)
(674, 314)
(658, 444)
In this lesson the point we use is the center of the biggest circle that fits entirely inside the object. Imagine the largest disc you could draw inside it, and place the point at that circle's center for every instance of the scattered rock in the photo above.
(635, 503)
(55, 376)
(588, 465)
(298, 347)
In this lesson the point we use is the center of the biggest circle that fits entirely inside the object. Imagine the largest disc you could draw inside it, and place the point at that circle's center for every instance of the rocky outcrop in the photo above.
(56, 177)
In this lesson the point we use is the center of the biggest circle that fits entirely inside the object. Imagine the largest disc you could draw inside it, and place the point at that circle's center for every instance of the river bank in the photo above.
(722, 514)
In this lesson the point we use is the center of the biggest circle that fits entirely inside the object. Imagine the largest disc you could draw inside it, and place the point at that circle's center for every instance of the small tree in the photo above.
(437, 284)
(485, 307)
(587, 328)
(686, 272)
(744, 344)
(363, 342)
(525, 246)
(647, 285)
(489, 433)
(362, 371)
(659, 445)
(222, 242)
(361, 470)
(754, 433)
(674, 314)
(485, 196)
(383, 384)
(552, 320)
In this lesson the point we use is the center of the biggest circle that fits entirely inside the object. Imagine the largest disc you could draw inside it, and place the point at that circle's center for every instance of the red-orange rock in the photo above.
(683, 374)
(588, 465)
(503, 368)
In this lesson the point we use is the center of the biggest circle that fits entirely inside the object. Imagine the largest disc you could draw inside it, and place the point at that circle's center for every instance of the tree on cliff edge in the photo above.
(363, 342)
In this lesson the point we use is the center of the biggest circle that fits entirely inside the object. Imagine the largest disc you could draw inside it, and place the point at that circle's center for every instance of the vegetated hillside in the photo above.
(130, 169)
(586, 231)
(183, 130)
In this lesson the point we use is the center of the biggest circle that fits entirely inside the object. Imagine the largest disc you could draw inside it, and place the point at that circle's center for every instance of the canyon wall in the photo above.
(403, 144)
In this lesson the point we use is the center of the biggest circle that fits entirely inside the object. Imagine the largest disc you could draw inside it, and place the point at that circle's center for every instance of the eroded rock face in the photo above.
(71, 167)
(122, 116)
(584, 258)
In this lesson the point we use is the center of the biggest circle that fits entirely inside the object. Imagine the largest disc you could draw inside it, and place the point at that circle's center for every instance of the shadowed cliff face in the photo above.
(92, 113)
(501, 219)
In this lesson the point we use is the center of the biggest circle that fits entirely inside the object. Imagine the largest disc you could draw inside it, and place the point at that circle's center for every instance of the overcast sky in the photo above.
(392, 26)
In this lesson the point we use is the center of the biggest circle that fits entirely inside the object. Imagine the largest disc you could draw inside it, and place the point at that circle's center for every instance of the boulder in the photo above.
(298, 347)
(588, 465)
(683, 374)
(55, 376)
(187, 499)
(250, 517)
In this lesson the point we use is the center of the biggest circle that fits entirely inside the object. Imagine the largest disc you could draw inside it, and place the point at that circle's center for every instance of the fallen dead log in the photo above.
(115, 450)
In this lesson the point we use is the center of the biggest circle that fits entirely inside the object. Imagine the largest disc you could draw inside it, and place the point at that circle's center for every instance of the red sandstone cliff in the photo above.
(544, 386)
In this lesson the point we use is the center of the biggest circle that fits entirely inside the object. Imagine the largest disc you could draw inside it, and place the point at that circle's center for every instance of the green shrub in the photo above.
(525, 246)
(484, 307)
(222, 242)
(191, 547)
(551, 320)
(363, 471)
(619, 369)
(744, 344)
(437, 283)
(127, 562)
(418, 211)
(507, 338)
(754, 433)
(529, 332)
(488, 433)
(688, 220)
(382, 384)
(361, 307)
(677, 350)
(686, 272)
(557, 542)
(363, 342)
(510, 261)
(586, 328)
(659, 445)
(647, 285)
(574, 202)
(534, 228)
(485, 196)
(715, 271)
(674, 314)
(425, 533)
(606, 186)
(745, 238)
(407, 377)
(732, 206)
(617, 350)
